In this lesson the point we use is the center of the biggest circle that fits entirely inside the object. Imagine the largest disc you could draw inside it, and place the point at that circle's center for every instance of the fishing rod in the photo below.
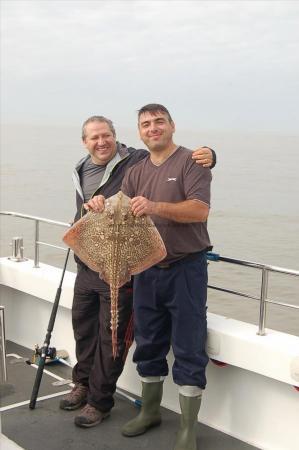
(45, 347)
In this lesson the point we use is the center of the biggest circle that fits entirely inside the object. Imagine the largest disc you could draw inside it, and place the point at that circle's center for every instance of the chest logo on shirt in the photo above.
(171, 179)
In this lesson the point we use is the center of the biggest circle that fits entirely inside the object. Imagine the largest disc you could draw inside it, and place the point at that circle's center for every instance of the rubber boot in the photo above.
(186, 436)
(150, 415)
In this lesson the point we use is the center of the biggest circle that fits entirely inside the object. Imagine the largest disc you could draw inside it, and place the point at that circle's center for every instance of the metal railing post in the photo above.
(263, 302)
(3, 372)
(36, 245)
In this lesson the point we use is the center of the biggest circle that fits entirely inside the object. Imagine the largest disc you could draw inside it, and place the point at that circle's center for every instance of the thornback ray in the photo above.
(116, 244)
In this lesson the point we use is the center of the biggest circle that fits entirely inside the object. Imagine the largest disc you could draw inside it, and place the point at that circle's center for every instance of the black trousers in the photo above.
(95, 366)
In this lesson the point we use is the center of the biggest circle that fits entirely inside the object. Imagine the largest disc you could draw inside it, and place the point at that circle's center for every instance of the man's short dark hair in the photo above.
(154, 108)
(97, 119)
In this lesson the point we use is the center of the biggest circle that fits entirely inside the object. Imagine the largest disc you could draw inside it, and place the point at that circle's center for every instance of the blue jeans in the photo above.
(170, 309)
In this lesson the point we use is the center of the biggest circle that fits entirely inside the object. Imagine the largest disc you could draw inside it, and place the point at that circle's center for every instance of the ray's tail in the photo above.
(114, 320)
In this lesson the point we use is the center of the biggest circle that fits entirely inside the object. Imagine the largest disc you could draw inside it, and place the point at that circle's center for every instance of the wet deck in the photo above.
(48, 428)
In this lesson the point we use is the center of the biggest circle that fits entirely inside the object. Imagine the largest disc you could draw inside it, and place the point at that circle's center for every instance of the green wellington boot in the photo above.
(186, 436)
(150, 415)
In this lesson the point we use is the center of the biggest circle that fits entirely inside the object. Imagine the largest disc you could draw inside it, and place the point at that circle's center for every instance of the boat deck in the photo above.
(48, 428)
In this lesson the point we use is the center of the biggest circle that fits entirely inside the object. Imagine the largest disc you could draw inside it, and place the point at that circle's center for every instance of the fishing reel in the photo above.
(51, 354)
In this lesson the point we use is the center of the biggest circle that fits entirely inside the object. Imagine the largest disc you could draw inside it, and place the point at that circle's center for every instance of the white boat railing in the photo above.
(263, 298)
(265, 268)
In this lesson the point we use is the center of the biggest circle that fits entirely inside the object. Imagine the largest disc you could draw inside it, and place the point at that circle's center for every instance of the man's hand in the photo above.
(97, 203)
(141, 205)
(203, 156)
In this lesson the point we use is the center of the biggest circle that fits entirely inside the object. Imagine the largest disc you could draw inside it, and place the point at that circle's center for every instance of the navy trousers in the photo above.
(170, 309)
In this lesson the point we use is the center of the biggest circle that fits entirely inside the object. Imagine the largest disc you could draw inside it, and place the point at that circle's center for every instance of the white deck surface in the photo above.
(7, 444)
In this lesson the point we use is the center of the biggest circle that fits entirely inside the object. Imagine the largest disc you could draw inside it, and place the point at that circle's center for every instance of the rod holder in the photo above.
(17, 249)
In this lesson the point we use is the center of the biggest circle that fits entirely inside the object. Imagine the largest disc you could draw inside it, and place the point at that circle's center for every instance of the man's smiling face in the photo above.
(100, 142)
(156, 130)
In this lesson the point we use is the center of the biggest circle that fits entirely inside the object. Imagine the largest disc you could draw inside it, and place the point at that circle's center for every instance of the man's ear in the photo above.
(139, 132)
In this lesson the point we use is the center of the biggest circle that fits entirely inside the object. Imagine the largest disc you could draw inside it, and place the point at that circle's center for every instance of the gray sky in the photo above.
(220, 65)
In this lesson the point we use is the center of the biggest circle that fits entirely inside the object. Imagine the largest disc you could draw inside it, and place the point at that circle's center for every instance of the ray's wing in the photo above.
(91, 239)
(142, 245)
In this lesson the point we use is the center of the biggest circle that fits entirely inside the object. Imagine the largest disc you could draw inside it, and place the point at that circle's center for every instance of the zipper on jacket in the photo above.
(92, 195)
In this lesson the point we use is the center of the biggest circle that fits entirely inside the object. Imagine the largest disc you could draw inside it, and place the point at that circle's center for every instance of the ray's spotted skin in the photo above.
(116, 244)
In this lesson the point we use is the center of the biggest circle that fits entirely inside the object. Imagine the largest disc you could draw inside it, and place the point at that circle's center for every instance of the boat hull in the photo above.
(250, 396)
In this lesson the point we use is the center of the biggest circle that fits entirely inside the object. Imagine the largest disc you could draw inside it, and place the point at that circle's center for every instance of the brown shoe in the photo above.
(75, 399)
(90, 416)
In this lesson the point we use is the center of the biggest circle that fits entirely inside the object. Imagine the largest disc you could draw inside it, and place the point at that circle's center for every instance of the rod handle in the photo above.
(211, 256)
(37, 382)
